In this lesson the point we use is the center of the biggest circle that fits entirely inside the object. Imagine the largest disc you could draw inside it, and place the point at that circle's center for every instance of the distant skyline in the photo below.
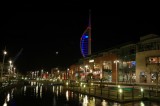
(51, 39)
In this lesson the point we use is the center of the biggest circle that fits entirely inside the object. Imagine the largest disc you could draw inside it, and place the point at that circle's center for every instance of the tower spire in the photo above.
(89, 26)
(85, 41)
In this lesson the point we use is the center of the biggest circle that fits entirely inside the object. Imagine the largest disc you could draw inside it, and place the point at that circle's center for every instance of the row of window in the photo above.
(153, 60)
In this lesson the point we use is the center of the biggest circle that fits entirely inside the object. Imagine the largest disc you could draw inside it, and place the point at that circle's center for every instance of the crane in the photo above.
(18, 54)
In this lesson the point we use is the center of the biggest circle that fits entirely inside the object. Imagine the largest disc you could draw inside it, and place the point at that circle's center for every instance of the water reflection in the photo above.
(31, 83)
(54, 101)
(5, 103)
(116, 104)
(85, 100)
(8, 97)
(34, 83)
(53, 89)
(142, 104)
(91, 103)
(67, 96)
(104, 103)
(40, 91)
(12, 93)
(58, 96)
(37, 91)
(57, 90)
(24, 89)
(60, 89)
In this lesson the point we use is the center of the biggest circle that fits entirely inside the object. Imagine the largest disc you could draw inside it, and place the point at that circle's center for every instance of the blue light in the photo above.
(133, 63)
(84, 45)
(86, 36)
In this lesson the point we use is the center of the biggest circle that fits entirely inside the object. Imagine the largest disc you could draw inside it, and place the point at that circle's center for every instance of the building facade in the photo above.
(148, 59)
(130, 63)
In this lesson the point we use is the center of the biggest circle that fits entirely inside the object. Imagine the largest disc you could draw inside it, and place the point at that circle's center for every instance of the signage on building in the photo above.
(91, 61)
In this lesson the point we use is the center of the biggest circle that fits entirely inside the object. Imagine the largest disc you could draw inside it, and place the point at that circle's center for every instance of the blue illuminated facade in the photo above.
(85, 41)
(84, 44)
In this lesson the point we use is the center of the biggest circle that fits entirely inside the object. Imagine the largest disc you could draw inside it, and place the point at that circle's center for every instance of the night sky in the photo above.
(41, 31)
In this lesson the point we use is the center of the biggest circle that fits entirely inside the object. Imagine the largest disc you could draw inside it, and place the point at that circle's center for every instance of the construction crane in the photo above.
(18, 54)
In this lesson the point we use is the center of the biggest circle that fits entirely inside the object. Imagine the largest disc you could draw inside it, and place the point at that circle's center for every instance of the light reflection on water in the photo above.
(85, 100)
(5, 103)
(104, 103)
(60, 87)
(53, 89)
(59, 96)
(37, 91)
(8, 97)
(142, 104)
(57, 90)
(67, 95)
(24, 89)
(12, 93)
(40, 91)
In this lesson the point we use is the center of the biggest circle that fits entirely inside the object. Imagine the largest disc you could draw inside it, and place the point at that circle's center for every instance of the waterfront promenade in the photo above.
(118, 93)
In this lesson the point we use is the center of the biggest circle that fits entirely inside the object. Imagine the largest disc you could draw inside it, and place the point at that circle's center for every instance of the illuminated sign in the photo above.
(90, 61)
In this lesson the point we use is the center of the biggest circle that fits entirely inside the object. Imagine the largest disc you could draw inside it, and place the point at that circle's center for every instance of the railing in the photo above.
(118, 93)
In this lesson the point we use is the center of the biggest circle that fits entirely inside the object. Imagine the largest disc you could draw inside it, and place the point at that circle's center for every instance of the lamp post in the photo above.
(14, 70)
(86, 67)
(116, 62)
(4, 54)
(10, 62)
(67, 75)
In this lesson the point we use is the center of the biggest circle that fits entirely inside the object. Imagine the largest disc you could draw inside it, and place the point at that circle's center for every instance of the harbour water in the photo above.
(52, 95)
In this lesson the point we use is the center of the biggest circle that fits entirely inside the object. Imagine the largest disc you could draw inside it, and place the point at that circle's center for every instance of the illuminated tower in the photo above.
(85, 41)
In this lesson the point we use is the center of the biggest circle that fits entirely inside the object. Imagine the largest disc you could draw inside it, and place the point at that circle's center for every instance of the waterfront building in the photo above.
(148, 59)
(133, 62)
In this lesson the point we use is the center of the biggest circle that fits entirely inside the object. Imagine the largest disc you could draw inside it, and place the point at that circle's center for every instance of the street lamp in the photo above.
(86, 67)
(4, 54)
(10, 62)
(14, 69)
(14, 72)
(116, 61)
(67, 75)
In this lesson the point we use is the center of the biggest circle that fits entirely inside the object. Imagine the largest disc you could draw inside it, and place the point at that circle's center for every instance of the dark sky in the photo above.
(41, 31)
